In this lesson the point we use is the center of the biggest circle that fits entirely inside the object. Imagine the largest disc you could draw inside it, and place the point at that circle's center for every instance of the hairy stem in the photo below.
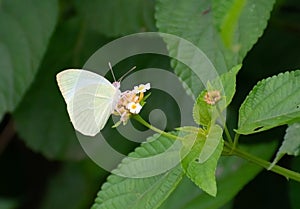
(263, 163)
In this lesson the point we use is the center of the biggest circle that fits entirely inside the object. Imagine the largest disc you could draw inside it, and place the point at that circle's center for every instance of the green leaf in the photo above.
(213, 139)
(136, 193)
(272, 102)
(156, 162)
(77, 181)
(205, 114)
(241, 22)
(200, 163)
(24, 35)
(232, 174)
(115, 18)
(45, 126)
(228, 83)
(227, 18)
(200, 21)
(291, 143)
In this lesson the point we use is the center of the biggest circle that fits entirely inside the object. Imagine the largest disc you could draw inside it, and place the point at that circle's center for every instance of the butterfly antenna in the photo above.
(127, 73)
(112, 72)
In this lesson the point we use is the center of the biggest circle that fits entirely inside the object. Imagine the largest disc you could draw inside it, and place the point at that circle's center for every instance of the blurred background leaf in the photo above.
(84, 177)
(118, 17)
(8, 203)
(24, 36)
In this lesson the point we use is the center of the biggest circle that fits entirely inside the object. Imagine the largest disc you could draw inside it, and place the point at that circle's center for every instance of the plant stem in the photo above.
(265, 164)
(235, 140)
(227, 133)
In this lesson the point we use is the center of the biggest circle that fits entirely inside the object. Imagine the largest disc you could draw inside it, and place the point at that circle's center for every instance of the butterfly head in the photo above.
(116, 84)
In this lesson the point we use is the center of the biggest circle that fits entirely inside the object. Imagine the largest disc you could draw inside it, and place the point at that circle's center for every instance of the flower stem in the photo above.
(157, 130)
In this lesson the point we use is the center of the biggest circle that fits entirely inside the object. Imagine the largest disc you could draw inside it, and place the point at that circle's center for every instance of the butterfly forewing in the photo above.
(90, 99)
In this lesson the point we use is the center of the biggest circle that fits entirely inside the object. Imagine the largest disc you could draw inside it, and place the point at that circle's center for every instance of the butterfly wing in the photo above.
(90, 99)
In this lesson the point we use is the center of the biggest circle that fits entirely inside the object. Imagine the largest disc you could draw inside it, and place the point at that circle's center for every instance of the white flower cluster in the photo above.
(130, 102)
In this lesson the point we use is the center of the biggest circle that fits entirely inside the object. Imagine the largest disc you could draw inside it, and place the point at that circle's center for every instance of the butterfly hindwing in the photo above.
(90, 99)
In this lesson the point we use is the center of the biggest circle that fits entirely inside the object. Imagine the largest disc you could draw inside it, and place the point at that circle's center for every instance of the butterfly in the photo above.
(90, 99)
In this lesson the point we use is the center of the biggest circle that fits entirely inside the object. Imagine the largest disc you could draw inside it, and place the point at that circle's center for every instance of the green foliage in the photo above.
(136, 193)
(192, 167)
(241, 23)
(227, 14)
(8, 204)
(212, 142)
(272, 102)
(201, 162)
(136, 16)
(291, 143)
(83, 175)
(24, 37)
(230, 170)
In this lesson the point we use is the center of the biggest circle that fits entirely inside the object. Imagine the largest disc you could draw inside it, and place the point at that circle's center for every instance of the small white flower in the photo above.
(141, 88)
(134, 108)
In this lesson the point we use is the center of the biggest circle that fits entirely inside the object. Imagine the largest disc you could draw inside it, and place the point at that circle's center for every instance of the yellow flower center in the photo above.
(133, 106)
